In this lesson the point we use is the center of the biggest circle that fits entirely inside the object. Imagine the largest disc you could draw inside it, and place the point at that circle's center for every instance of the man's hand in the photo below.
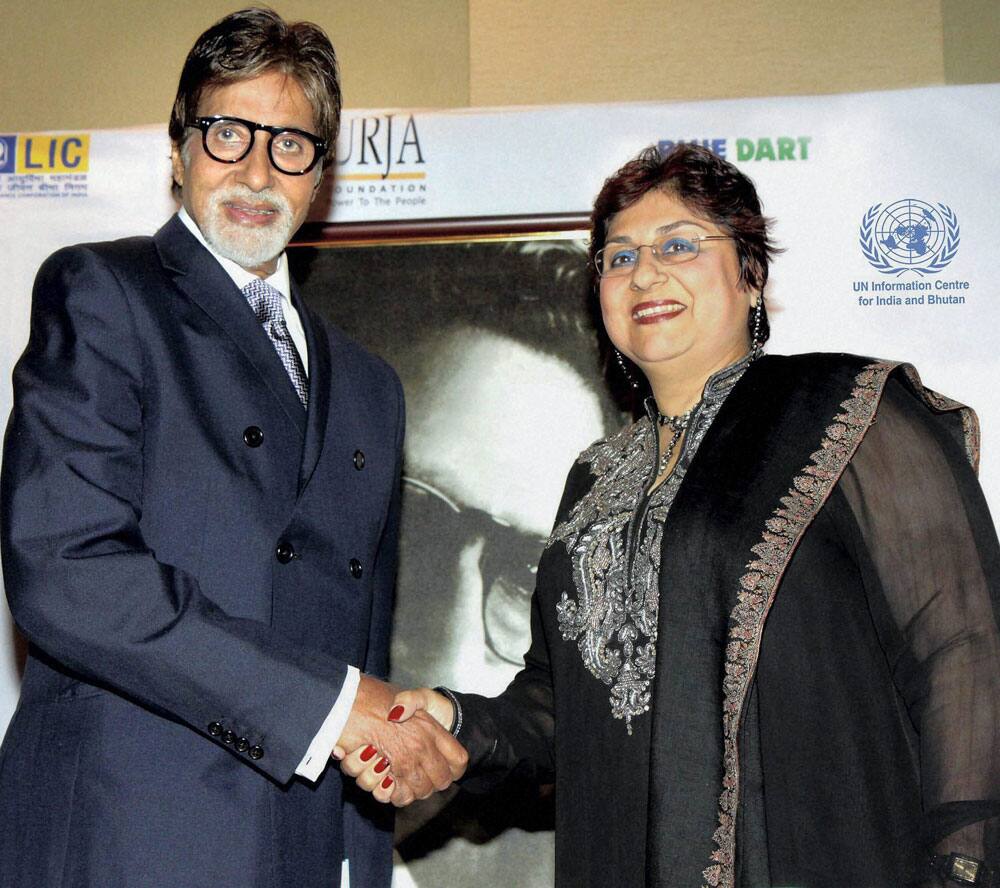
(422, 755)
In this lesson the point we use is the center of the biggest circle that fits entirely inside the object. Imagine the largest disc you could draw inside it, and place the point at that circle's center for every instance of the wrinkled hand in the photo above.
(406, 758)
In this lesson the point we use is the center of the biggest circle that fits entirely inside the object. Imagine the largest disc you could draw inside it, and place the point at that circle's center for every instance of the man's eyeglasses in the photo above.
(507, 564)
(230, 139)
(619, 260)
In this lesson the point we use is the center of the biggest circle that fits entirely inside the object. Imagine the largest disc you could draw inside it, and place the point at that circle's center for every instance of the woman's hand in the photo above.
(434, 703)
(372, 771)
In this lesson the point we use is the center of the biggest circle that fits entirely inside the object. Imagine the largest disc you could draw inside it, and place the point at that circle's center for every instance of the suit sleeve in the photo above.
(82, 583)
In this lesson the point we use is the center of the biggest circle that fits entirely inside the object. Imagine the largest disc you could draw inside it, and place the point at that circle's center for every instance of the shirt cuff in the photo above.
(318, 754)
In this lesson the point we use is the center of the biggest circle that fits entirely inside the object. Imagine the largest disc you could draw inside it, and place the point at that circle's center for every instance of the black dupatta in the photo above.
(768, 465)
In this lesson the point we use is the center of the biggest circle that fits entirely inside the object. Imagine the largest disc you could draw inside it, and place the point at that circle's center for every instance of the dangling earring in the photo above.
(756, 345)
(632, 381)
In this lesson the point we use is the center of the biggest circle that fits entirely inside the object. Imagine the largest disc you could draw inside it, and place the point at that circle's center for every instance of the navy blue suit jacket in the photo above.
(177, 668)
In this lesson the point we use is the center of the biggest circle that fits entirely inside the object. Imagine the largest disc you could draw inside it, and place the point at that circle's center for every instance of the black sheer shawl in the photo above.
(933, 575)
(883, 645)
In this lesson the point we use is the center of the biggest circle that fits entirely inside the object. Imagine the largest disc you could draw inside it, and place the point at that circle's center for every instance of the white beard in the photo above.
(247, 247)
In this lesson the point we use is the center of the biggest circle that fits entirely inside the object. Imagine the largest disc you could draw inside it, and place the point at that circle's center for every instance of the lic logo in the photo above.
(909, 235)
(7, 144)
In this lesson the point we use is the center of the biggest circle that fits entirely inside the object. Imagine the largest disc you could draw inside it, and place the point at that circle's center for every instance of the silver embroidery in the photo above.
(612, 610)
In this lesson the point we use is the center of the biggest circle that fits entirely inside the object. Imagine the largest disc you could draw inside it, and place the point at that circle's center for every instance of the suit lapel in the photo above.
(320, 384)
(205, 282)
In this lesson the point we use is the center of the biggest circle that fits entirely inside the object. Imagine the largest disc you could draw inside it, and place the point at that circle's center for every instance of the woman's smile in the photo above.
(656, 311)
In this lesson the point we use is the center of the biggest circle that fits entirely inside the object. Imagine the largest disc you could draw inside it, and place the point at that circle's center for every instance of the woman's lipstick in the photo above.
(654, 312)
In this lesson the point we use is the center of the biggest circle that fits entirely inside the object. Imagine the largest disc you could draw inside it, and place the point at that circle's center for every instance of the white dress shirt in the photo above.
(318, 753)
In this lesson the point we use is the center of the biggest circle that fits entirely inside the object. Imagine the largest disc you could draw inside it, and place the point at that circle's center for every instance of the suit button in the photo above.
(228, 736)
(284, 553)
(256, 753)
(253, 436)
(359, 459)
(355, 566)
(242, 745)
(215, 729)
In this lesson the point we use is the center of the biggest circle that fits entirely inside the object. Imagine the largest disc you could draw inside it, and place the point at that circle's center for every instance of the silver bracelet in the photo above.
(457, 725)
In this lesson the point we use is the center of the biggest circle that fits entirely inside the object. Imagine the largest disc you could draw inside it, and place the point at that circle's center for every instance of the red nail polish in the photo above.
(396, 713)
(387, 783)
(367, 753)
(382, 765)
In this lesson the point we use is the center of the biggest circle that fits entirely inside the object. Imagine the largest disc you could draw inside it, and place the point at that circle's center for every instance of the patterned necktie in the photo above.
(266, 304)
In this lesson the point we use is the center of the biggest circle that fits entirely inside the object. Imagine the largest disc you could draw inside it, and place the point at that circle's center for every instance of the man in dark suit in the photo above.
(199, 516)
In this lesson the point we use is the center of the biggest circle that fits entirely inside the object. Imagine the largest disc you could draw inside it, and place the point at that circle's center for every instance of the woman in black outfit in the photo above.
(765, 644)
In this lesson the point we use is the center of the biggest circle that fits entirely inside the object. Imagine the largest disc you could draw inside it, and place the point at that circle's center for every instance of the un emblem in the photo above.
(909, 235)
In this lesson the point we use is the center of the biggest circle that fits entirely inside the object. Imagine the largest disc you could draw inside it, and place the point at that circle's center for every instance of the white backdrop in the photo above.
(871, 189)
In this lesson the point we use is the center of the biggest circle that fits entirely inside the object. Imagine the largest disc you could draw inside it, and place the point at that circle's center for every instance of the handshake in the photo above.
(398, 746)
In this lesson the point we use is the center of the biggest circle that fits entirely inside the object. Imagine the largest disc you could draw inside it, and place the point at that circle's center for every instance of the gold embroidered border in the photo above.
(942, 404)
(779, 539)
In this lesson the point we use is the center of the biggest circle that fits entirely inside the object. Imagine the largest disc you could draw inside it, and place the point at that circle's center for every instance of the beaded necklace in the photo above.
(678, 425)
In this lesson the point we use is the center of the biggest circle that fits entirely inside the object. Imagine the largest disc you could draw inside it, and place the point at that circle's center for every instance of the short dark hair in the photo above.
(709, 186)
(251, 42)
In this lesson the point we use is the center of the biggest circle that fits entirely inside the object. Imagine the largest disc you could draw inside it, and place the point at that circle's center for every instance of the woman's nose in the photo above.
(648, 268)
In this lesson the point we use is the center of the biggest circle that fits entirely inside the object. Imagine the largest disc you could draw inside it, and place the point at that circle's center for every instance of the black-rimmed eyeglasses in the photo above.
(230, 139)
(619, 259)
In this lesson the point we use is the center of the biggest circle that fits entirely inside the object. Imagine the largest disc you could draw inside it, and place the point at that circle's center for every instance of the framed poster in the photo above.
(488, 328)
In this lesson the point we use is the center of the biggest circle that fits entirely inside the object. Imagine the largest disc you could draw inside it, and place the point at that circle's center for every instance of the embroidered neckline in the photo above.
(614, 536)
(718, 385)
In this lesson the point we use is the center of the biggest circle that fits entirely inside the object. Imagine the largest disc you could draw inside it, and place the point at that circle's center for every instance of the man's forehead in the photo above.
(475, 422)
(271, 92)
